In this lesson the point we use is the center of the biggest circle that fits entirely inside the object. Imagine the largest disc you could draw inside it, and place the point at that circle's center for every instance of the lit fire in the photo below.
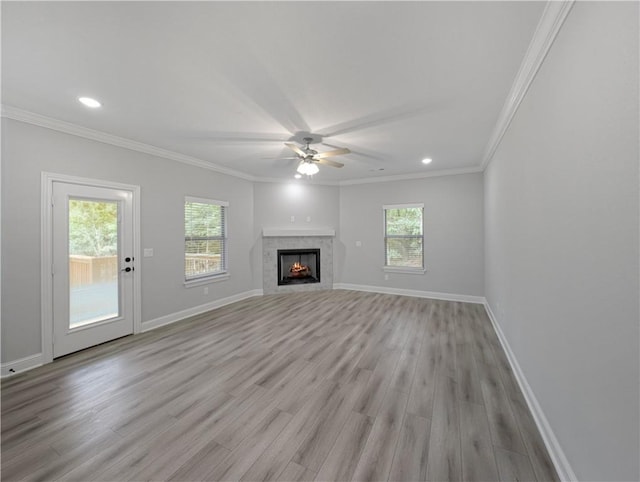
(299, 270)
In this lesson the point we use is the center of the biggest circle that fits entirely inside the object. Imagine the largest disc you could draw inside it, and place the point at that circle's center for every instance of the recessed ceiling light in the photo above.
(298, 176)
(89, 102)
(426, 160)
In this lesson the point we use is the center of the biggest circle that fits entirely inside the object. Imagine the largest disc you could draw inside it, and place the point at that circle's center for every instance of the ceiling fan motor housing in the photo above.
(310, 152)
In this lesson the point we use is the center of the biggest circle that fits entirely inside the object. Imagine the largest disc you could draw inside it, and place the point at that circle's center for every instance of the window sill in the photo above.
(398, 269)
(209, 279)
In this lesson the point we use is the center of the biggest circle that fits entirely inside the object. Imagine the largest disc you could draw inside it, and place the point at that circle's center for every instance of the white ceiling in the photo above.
(228, 82)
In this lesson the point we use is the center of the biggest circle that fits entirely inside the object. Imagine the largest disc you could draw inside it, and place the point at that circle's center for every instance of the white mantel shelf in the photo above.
(285, 232)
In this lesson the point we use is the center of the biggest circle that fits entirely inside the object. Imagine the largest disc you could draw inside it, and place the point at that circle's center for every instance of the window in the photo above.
(403, 237)
(205, 238)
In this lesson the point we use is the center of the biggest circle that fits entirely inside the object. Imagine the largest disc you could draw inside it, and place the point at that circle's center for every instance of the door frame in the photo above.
(46, 254)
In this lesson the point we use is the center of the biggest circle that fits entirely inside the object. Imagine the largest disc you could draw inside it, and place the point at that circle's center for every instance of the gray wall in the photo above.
(28, 150)
(562, 239)
(453, 222)
(275, 203)
(453, 227)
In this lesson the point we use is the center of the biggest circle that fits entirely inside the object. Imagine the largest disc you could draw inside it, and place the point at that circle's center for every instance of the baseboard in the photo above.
(565, 472)
(196, 310)
(415, 293)
(22, 365)
(13, 367)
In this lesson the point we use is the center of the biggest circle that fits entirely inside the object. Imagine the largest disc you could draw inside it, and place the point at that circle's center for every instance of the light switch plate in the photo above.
(148, 252)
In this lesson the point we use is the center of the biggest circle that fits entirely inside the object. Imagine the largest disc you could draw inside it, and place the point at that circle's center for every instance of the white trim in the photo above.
(210, 276)
(551, 21)
(301, 181)
(46, 259)
(22, 365)
(416, 175)
(565, 472)
(403, 206)
(385, 237)
(404, 270)
(196, 310)
(202, 200)
(21, 115)
(34, 361)
(286, 232)
(415, 293)
(1, 151)
(552, 18)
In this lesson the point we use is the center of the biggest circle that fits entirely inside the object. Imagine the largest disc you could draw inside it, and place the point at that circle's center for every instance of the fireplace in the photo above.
(298, 266)
(277, 241)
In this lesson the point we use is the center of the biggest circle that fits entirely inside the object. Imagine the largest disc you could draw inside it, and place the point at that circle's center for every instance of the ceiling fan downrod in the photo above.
(310, 152)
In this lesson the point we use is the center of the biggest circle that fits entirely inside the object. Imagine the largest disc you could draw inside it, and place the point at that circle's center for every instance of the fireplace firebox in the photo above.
(298, 266)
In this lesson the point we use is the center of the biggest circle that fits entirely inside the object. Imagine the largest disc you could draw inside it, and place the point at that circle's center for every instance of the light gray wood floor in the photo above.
(334, 385)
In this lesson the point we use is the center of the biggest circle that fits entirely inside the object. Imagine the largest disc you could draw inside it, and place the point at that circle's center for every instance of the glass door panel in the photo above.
(93, 261)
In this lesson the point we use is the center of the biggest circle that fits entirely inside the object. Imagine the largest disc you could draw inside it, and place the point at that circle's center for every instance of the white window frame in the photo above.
(190, 281)
(401, 269)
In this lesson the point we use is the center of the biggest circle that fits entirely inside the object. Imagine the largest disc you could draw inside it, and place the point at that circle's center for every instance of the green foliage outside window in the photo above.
(93, 228)
(404, 237)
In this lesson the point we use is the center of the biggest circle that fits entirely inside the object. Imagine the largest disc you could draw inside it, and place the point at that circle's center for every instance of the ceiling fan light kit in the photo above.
(309, 158)
(308, 168)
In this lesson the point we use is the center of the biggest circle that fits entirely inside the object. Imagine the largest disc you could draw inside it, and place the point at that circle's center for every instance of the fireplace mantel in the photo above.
(298, 232)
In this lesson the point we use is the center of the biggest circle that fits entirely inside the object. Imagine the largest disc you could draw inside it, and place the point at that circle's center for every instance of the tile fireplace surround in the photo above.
(274, 239)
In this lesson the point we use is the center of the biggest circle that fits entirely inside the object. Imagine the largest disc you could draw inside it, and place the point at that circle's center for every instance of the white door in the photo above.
(93, 265)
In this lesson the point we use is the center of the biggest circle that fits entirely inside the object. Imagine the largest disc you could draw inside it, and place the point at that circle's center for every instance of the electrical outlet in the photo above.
(308, 219)
(386, 277)
(293, 219)
(358, 244)
(206, 290)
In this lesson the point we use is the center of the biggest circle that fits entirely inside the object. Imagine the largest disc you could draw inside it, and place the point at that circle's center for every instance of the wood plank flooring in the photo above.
(332, 385)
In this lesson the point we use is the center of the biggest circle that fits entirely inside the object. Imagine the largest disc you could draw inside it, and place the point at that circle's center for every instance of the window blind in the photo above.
(205, 236)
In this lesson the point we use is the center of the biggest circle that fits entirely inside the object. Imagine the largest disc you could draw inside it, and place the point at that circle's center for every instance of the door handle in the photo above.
(127, 269)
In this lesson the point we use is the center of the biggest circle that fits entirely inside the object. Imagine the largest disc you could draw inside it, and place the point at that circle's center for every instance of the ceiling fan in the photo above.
(309, 158)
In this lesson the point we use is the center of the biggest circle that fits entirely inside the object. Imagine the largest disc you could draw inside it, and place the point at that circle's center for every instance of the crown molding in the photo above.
(416, 175)
(373, 180)
(25, 116)
(551, 21)
(553, 16)
(21, 115)
(275, 180)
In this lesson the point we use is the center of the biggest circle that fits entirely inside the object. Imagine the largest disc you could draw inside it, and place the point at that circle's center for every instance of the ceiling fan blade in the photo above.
(295, 149)
(336, 152)
(329, 162)
(279, 158)
(379, 118)
(359, 151)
